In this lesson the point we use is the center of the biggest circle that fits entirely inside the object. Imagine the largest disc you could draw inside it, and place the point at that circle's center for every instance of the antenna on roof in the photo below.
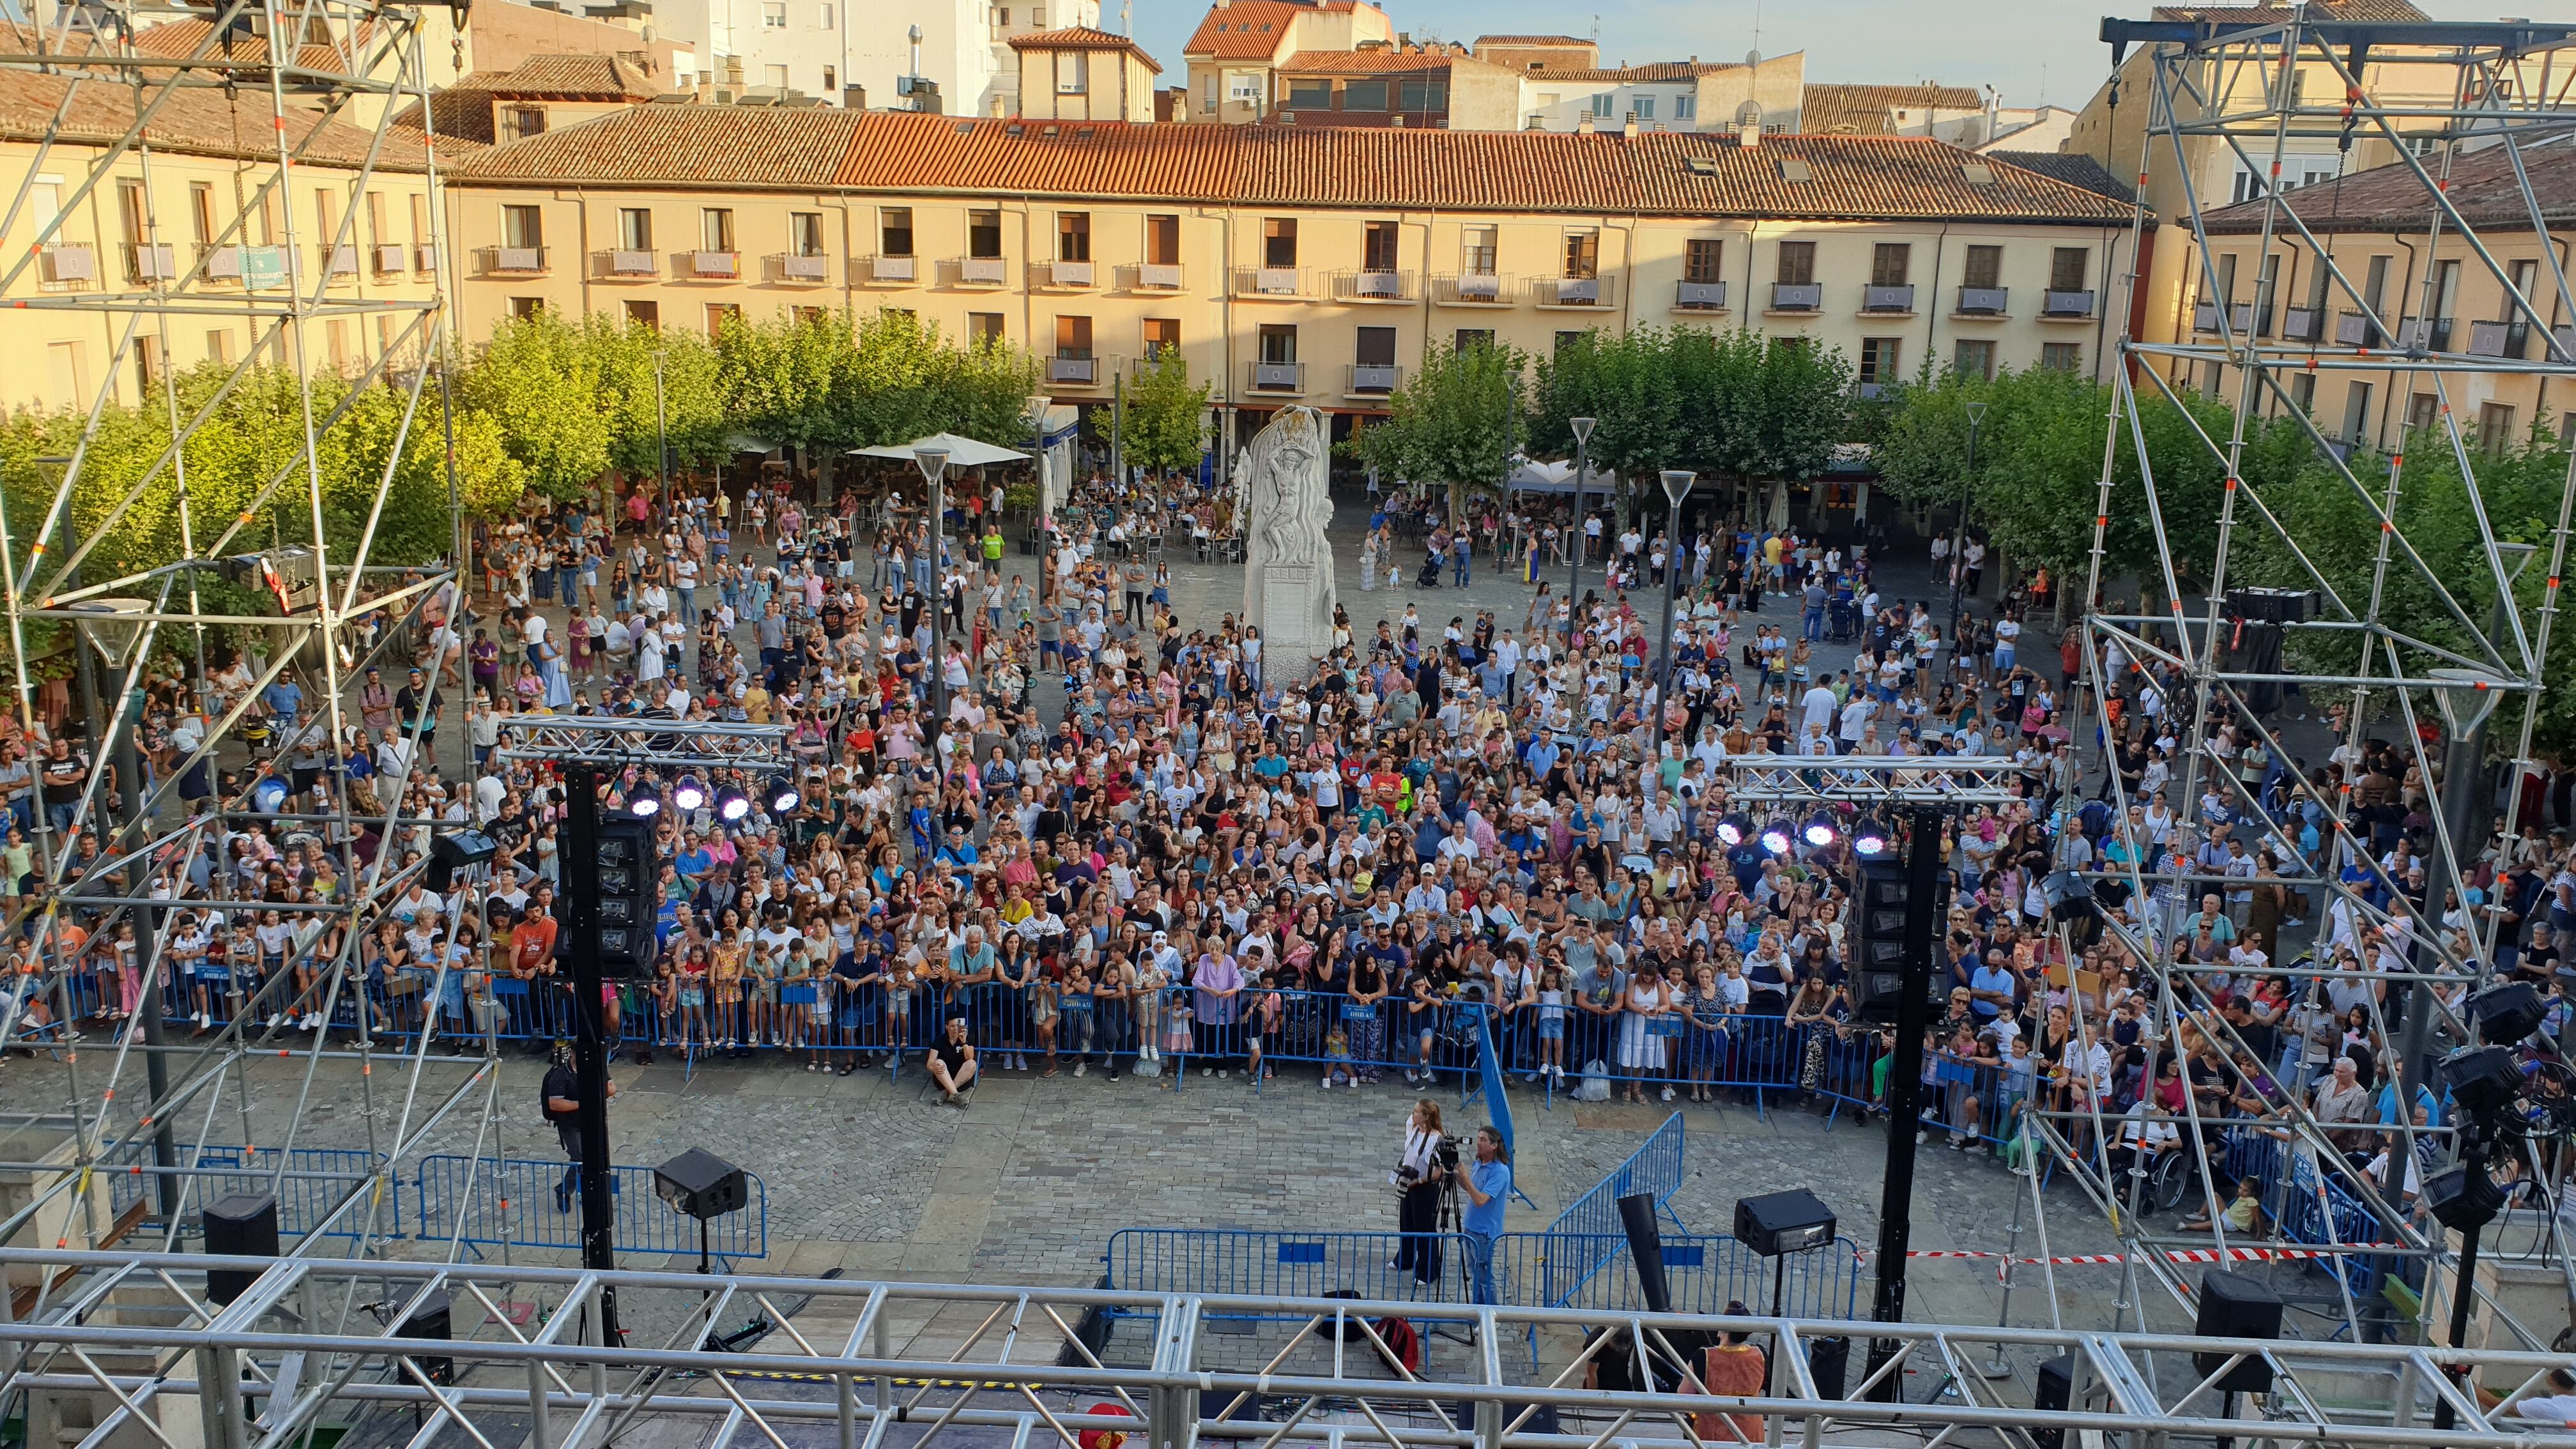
(1126, 19)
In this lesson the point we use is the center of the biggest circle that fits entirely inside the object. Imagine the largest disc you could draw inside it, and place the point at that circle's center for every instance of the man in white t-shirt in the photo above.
(533, 634)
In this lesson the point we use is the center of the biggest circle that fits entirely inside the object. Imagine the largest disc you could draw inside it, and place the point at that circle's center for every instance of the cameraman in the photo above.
(1486, 1183)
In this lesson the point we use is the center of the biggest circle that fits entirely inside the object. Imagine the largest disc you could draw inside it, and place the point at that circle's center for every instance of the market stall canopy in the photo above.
(962, 452)
(1538, 477)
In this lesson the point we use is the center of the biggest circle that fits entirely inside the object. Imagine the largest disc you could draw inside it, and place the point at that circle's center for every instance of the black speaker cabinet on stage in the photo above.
(457, 850)
(2233, 1305)
(2507, 1013)
(2068, 897)
(2056, 1389)
(1646, 1246)
(431, 1320)
(1783, 1222)
(238, 1225)
(1829, 1364)
(701, 1184)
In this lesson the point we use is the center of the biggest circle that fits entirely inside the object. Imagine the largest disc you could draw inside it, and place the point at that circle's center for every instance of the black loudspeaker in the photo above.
(430, 1320)
(2272, 606)
(2463, 1197)
(1829, 1363)
(1877, 925)
(1646, 1245)
(629, 871)
(701, 1184)
(2055, 1391)
(454, 851)
(2069, 898)
(2507, 1013)
(2484, 1080)
(1783, 1222)
(2233, 1305)
(239, 1225)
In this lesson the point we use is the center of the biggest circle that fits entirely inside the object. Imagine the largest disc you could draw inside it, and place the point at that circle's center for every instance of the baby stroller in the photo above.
(1429, 578)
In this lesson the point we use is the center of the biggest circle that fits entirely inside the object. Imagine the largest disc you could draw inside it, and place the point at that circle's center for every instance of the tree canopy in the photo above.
(1451, 422)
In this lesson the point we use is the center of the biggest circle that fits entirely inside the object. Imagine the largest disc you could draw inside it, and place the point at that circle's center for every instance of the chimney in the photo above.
(1628, 127)
(1748, 134)
(1583, 126)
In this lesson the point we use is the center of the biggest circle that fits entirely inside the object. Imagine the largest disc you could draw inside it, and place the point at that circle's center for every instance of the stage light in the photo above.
(646, 804)
(1775, 838)
(1820, 831)
(732, 804)
(690, 793)
(1732, 830)
(783, 796)
(1869, 839)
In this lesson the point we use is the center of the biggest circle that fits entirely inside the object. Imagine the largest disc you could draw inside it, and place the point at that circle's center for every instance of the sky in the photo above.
(2032, 51)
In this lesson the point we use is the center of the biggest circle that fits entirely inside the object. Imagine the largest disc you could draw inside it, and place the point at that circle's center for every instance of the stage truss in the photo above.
(2257, 87)
(148, 1102)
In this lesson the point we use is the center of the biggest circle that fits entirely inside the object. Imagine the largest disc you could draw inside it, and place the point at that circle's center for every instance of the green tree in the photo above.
(781, 379)
(690, 406)
(540, 379)
(1161, 426)
(1627, 384)
(1447, 425)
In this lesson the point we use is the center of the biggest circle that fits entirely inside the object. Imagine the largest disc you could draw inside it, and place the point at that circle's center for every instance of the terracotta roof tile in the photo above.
(2390, 198)
(1083, 37)
(338, 52)
(1530, 40)
(1370, 62)
(1254, 29)
(1661, 70)
(2378, 11)
(2074, 170)
(688, 146)
(198, 121)
(567, 78)
(1862, 110)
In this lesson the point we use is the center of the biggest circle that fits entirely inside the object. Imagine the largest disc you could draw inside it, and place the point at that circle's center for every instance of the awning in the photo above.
(962, 452)
(1537, 477)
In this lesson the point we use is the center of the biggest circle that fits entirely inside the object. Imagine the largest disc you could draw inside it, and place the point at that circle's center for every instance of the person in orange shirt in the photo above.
(532, 955)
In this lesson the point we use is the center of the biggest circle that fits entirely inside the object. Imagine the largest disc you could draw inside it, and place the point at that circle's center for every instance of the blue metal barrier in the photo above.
(1590, 1224)
(317, 1178)
(2310, 1206)
(493, 1202)
(1293, 1265)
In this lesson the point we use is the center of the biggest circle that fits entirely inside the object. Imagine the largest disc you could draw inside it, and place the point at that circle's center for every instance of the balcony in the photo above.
(266, 266)
(811, 269)
(2056, 306)
(885, 271)
(1155, 352)
(1887, 299)
(1373, 379)
(1281, 282)
(1062, 276)
(514, 261)
(1288, 379)
(2302, 324)
(622, 262)
(1699, 297)
(1871, 390)
(151, 262)
(338, 261)
(1587, 293)
(1472, 289)
(2563, 342)
(1371, 286)
(2248, 321)
(2500, 339)
(222, 264)
(1077, 371)
(424, 257)
(715, 266)
(1151, 277)
(70, 266)
(2353, 329)
(2204, 316)
(982, 271)
(388, 257)
(2424, 334)
(1983, 301)
(1797, 296)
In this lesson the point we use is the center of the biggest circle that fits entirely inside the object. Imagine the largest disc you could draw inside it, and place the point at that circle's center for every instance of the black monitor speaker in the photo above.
(2506, 1014)
(2234, 1305)
(1646, 1246)
(430, 1319)
(2069, 898)
(1783, 1222)
(2055, 1391)
(701, 1184)
(1829, 1364)
(2463, 1197)
(457, 850)
(238, 1225)
(2484, 1080)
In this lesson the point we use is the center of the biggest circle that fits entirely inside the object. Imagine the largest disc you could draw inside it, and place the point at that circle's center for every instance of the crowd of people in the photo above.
(1037, 812)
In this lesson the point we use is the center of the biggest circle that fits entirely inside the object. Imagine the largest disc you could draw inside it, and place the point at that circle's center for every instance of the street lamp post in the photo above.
(1959, 544)
(1677, 486)
(1574, 529)
(933, 462)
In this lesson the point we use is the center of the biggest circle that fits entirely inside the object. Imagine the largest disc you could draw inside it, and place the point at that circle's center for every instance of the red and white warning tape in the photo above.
(2004, 1261)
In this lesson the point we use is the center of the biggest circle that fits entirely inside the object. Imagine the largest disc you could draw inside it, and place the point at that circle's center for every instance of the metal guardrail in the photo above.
(512, 1202)
(315, 1180)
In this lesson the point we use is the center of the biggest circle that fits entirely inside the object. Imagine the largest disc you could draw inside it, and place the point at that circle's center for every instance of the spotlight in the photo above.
(2463, 1197)
(732, 804)
(1820, 831)
(2483, 1080)
(2507, 1013)
(690, 793)
(1775, 838)
(646, 804)
(783, 796)
(1869, 839)
(1732, 830)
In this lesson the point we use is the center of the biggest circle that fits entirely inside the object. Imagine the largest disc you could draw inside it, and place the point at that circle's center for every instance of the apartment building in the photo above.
(1290, 265)
(540, 94)
(1082, 74)
(95, 224)
(1234, 58)
(2434, 291)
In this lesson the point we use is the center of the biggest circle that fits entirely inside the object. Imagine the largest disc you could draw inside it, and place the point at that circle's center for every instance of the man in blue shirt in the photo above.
(1485, 1183)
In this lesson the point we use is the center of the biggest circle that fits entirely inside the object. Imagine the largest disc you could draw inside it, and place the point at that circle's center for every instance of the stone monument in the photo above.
(1288, 574)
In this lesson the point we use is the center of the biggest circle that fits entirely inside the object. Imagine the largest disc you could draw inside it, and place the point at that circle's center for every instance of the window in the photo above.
(1703, 259)
(521, 227)
(2422, 410)
(1423, 95)
(201, 215)
(129, 212)
(894, 231)
(805, 233)
(524, 308)
(1975, 358)
(719, 314)
(774, 77)
(644, 314)
(2495, 427)
(2303, 392)
(1378, 247)
(376, 218)
(1685, 107)
(1565, 340)
(984, 233)
(1073, 337)
(1162, 335)
(1278, 342)
(1604, 104)
(1889, 262)
(2062, 356)
(147, 361)
(1073, 236)
(1163, 241)
(1374, 347)
(1037, 17)
(773, 14)
(1476, 250)
(1645, 108)
(1243, 86)
(1797, 264)
(2446, 287)
(518, 123)
(1364, 95)
(1207, 93)
(831, 77)
(1002, 15)
(71, 369)
(1310, 95)
(1985, 267)
(1471, 337)
(635, 228)
(1878, 360)
(1072, 72)
(1279, 242)
(219, 346)
(419, 220)
(1583, 253)
(715, 229)
(2068, 267)
(824, 18)
(2374, 289)
(984, 328)
(2356, 413)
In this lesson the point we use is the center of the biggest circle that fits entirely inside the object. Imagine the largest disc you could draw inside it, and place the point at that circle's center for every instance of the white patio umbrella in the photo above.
(962, 452)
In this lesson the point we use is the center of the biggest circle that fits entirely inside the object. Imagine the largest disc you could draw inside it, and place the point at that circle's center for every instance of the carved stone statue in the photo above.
(1288, 576)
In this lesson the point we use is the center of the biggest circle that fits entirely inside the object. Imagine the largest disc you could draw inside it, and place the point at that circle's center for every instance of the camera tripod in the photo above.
(1447, 1222)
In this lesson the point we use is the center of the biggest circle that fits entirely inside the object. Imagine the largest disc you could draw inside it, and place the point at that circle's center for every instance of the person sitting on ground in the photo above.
(952, 1063)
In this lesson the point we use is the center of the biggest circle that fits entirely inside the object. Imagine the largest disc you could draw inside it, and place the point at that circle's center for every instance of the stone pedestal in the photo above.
(1288, 589)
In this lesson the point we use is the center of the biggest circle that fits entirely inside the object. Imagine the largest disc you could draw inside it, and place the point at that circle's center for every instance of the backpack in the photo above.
(1401, 1341)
